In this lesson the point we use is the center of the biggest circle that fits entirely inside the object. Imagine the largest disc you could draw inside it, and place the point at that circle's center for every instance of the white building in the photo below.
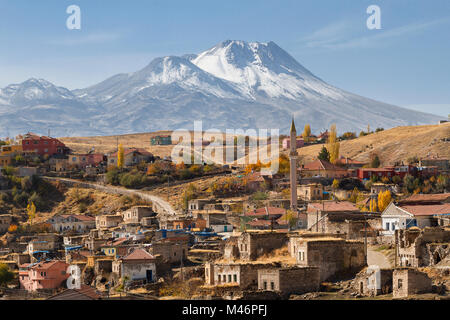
(70, 222)
(406, 216)
(138, 265)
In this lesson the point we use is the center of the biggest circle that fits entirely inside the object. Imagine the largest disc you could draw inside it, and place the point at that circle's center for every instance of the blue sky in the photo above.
(405, 63)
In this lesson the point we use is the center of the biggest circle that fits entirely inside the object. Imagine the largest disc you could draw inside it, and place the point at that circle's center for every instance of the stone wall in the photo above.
(252, 245)
(409, 281)
(287, 281)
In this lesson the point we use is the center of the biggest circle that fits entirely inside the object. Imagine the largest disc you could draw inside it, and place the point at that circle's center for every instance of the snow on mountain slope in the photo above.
(235, 84)
(263, 68)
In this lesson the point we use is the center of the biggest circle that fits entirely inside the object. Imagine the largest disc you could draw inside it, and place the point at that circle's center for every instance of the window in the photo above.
(229, 278)
(272, 285)
(235, 278)
(265, 285)
(387, 226)
(224, 278)
(400, 283)
(301, 256)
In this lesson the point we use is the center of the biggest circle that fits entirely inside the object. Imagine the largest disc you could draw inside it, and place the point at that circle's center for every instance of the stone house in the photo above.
(135, 214)
(311, 191)
(171, 252)
(107, 221)
(333, 256)
(407, 281)
(420, 248)
(289, 280)
(253, 244)
(44, 242)
(241, 274)
(5, 222)
(374, 281)
(72, 222)
(322, 168)
(137, 265)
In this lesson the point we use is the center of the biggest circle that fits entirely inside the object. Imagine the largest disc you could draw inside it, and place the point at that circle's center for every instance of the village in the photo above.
(330, 228)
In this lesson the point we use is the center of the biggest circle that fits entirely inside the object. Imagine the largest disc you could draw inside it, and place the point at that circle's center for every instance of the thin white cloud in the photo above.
(341, 35)
(85, 39)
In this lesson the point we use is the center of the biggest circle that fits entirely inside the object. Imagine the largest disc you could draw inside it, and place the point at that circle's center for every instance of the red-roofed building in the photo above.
(263, 218)
(72, 222)
(367, 173)
(42, 145)
(137, 265)
(322, 168)
(43, 275)
(132, 156)
(401, 216)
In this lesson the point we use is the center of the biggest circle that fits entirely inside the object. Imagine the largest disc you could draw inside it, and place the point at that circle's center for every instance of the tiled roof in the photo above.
(428, 197)
(127, 151)
(266, 211)
(427, 210)
(333, 206)
(138, 254)
(321, 165)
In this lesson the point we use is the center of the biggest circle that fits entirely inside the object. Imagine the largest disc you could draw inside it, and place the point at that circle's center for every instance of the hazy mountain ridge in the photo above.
(235, 84)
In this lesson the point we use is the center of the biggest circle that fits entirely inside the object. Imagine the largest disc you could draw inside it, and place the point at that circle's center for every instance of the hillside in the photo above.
(393, 145)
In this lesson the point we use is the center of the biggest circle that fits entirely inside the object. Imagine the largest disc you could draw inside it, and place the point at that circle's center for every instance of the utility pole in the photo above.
(365, 235)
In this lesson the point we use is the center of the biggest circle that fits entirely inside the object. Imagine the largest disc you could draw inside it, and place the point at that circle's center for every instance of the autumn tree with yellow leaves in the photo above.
(333, 144)
(31, 211)
(306, 133)
(120, 157)
(384, 199)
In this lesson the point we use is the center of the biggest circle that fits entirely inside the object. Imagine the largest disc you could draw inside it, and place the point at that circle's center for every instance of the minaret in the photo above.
(293, 166)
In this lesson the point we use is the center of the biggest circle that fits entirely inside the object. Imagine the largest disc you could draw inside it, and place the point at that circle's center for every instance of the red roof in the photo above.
(332, 206)
(127, 151)
(266, 211)
(138, 254)
(376, 169)
(427, 210)
(258, 222)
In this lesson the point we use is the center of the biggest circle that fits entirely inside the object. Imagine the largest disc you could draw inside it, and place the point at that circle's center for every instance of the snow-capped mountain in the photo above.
(235, 85)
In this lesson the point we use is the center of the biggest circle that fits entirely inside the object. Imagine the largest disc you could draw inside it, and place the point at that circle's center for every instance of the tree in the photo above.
(335, 184)
(5, 275)
(373, 205)
(375, 163)
(306, 133)
(31, 211)
(12, 228)
(120, 157)
(396, 179)
(333, 145)
(324, 154)
(384, 199)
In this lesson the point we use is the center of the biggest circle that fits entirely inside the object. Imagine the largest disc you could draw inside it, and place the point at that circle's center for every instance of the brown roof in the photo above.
(138, 254)
(127, 151)
(427, 210)
(266, 211)
(333, 206)
(320, 165)
(438, 197)
(79, 217)
(343, 160)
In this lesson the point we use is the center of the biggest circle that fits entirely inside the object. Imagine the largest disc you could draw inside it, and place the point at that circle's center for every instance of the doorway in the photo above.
(149, 275)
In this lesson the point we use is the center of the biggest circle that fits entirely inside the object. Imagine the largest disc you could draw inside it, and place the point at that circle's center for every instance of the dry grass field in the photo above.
(397, 144)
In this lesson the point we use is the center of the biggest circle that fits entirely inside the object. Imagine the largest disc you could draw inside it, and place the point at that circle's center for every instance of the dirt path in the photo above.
(159, 205)
(378, 259)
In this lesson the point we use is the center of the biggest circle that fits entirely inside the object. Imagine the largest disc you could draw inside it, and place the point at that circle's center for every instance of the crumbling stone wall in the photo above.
(334, 257)
(252, 245)
(287, 281)
(409, 281)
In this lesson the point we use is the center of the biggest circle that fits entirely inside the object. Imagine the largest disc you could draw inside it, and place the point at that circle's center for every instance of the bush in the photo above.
(260, 196)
